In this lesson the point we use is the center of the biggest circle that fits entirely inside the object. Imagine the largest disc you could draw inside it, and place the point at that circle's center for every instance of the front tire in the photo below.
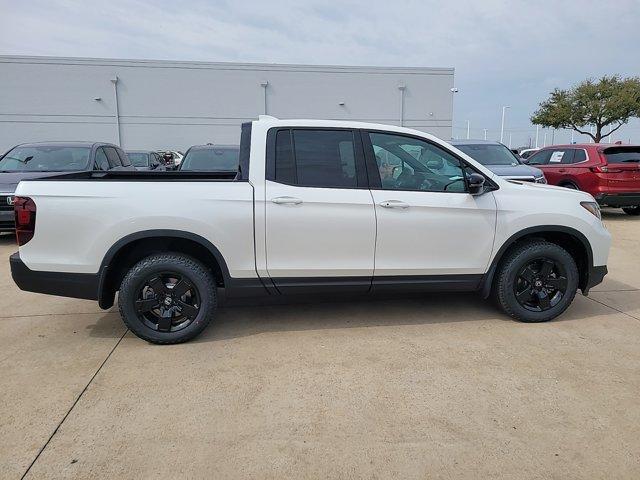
(167, 298)
(536, 282)
(634, 211)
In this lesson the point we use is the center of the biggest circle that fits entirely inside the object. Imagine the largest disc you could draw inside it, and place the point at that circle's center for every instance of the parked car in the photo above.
(146, 160)
(38, 160)
(221, 158)
(527, 152)
(500, 160)
(172, 159)
(611, 173)
(309, 211)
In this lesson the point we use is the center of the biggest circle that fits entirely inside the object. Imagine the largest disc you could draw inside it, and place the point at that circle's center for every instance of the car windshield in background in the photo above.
(139, 159)
(221, 159)
(622, 154)
(489, 154)
(45, 159)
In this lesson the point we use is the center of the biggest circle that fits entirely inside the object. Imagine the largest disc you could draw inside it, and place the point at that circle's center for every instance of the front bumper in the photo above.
(630, 199)
(75, 285)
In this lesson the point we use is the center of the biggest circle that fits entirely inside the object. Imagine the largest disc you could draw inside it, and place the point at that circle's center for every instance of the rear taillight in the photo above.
(605, 169)
(25, 211)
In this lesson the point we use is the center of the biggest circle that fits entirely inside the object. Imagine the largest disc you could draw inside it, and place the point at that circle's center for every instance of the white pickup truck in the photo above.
(315, 206)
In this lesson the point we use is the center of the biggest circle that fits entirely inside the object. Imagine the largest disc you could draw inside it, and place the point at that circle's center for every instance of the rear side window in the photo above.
(622, 154)
(316, 158)
(579, 156)
(112, 155)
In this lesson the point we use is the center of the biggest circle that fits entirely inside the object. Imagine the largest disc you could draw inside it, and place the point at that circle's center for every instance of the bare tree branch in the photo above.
(582, 132)
(612, 130)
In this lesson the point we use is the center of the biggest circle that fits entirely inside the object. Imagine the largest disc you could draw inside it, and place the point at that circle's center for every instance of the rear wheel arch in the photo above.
(130, 249)
(569, 184)
(568, 238)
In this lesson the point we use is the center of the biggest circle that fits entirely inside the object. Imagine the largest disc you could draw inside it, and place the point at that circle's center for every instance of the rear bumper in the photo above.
(75, 285)
(619, 199)
(596, 276)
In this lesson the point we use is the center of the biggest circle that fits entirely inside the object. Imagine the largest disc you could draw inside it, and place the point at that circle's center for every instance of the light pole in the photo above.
(509, 139)
(504, 110)
(453, 90)
(537, 133)
(468, 129)
(544, 144)
(485, 133)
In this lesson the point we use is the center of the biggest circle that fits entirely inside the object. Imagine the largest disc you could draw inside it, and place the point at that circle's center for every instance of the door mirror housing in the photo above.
(475, 181)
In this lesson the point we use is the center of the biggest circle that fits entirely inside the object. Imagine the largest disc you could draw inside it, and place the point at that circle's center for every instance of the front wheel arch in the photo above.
(568, 238)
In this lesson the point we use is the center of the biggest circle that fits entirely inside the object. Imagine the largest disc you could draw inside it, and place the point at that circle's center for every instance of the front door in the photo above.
(320, 219)
(431, 231)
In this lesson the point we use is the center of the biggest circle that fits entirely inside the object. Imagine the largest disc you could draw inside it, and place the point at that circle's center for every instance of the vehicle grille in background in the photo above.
(4, 205)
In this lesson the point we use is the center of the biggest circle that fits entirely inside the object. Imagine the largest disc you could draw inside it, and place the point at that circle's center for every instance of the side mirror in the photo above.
(524, 160)
(476, 184)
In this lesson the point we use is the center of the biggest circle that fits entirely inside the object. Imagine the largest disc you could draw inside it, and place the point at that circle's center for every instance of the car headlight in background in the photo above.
(593, 208)
(541, 179)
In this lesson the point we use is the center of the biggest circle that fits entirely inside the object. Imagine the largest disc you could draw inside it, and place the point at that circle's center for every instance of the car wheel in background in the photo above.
(536, 282)
(167, 298)
(632, 210)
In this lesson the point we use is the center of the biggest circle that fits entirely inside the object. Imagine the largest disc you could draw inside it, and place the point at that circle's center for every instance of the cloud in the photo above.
(504, 52)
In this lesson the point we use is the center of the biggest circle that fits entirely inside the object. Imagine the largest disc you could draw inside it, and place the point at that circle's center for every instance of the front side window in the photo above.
(45, 159)
(540, 158)
(112, 155)
(407, 163)
(139, 159)
(316, 158)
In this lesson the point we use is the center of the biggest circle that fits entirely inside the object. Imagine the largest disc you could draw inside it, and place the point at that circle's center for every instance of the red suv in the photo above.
(611, 173)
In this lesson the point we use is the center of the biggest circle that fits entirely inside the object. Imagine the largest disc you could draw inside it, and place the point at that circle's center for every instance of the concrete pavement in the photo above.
(438, 387)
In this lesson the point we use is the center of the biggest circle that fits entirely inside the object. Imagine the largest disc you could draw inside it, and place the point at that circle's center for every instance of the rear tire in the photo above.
(635, 211)
(167, 298)
(536, 282)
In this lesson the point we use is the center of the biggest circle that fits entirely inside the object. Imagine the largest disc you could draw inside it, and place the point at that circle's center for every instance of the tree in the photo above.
(610, 101)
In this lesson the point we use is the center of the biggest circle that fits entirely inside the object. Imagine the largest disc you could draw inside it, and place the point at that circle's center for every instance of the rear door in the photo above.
(320, 220)
(624, 168)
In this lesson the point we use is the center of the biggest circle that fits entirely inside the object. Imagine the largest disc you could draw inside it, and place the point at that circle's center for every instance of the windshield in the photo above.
(489, 154)
(45, 159)
(220, 159)
(139, 159)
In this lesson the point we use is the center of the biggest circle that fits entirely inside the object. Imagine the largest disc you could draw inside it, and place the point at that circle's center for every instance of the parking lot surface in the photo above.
(441, 386)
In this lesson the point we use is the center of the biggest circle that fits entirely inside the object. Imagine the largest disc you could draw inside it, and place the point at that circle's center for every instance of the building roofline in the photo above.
(26, 59)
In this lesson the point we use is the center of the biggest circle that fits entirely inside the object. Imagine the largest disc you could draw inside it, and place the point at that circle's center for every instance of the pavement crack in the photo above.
(613, 308)
(73, 406)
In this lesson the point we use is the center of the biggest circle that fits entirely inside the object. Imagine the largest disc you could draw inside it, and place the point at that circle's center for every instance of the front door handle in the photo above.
(562, 170)
(286, 201)
(393, 204)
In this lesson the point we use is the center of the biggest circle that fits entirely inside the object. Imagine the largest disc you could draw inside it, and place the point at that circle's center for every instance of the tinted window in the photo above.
(139, 159)
(489, 154)
(101, 160)
(112, 155)
(211, 159)
(540, 158)
(579, 156)
(408, 163)
(316, 158)
(45, 159)
(622, 154)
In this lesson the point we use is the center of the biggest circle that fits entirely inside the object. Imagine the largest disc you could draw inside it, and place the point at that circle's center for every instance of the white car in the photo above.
(527, 152)
(314, 207)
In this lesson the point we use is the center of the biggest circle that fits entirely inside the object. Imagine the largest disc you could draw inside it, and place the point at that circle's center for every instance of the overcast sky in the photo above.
(504, 52)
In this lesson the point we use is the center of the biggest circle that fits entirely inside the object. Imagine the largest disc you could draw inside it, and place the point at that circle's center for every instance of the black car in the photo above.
(38, 160)
(146, 160)
(211, 158)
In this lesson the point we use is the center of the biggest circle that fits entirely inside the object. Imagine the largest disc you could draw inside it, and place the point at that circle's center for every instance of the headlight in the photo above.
(541, 179)
(593, 208)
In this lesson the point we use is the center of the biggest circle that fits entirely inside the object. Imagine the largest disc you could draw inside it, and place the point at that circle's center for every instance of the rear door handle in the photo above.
(286, 201)
(394, 204)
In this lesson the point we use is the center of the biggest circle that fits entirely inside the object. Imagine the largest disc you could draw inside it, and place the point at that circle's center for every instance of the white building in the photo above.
(165, 104)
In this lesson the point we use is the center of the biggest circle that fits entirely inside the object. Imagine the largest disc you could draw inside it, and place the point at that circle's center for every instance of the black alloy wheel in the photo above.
(540, 284)
(167, 302)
